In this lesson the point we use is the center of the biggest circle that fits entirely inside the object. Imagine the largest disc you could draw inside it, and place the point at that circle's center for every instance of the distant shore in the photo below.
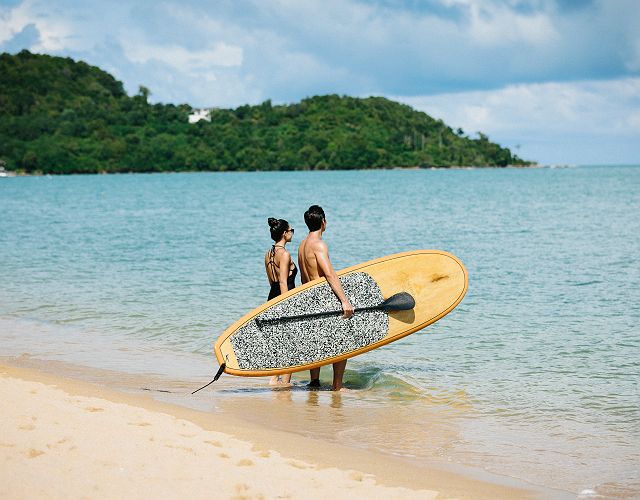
(453, 167)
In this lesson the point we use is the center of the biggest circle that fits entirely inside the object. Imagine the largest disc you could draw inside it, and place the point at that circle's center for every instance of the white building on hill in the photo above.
(200, 114)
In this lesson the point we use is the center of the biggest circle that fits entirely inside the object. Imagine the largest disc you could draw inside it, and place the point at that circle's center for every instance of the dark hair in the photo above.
(313, 217)
(278, 228)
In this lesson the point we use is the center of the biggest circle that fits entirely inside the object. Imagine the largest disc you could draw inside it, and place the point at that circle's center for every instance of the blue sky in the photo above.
(556, 80)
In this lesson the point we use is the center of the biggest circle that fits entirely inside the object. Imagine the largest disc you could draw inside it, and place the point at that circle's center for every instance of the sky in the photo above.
(557, 81)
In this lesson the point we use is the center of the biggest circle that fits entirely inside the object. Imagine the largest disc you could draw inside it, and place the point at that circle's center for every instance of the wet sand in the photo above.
(63, 438)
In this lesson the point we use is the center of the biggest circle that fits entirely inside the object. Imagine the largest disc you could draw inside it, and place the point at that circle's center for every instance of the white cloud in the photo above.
(633, 61)
(55, 32)
(189, 61)
(603, 106)
(633, 120)
(572, 115)
(494, 24)
(12, 21)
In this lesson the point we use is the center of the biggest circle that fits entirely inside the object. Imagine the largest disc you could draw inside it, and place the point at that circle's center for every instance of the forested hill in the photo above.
(62, 116)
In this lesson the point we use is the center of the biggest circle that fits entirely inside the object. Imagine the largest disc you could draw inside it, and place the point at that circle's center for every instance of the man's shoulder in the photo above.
(313, 244)
(318, 246)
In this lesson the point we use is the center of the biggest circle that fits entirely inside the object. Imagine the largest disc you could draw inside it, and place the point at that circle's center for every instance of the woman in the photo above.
(281, 271)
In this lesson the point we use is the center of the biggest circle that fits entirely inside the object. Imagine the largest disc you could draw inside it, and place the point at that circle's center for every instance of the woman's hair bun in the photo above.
(277, 228)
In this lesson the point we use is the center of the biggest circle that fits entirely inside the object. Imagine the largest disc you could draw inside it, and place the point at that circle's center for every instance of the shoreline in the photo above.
(13, 173)
(306, 461)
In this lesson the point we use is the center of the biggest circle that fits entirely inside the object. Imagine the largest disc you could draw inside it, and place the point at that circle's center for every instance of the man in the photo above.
(314, 263)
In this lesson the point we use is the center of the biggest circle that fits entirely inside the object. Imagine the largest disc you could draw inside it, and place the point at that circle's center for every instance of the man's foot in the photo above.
(314, 383)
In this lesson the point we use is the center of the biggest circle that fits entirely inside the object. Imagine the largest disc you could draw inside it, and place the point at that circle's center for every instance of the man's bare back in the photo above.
(307, 259)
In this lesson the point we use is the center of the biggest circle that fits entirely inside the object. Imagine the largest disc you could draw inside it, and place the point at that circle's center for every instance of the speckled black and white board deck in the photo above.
(437, 280)
(283, 344)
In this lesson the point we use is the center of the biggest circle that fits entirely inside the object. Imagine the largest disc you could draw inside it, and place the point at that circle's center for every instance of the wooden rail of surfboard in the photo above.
(457, 278)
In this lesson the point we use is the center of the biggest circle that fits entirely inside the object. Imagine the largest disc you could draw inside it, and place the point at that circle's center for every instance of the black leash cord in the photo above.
(220, 371)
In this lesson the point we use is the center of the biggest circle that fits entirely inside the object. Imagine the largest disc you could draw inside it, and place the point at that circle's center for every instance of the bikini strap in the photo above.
(272, 263)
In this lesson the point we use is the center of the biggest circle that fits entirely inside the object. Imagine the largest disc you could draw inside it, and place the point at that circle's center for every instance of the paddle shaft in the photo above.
(318, 315)
(401, 301)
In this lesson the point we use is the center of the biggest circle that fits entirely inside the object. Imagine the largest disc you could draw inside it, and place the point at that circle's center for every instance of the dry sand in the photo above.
(61, 438)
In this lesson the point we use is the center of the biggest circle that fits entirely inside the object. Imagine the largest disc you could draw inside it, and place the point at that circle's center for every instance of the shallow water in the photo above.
(535, 374)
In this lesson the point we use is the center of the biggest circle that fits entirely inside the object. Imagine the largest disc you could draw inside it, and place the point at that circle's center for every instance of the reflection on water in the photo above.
(354, 418)
(416, 425)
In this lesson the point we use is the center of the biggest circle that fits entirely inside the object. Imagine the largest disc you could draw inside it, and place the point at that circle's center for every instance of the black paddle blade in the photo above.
(402, 301)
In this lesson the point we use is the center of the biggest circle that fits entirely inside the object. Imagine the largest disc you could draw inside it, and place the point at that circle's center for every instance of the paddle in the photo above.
(402, 301)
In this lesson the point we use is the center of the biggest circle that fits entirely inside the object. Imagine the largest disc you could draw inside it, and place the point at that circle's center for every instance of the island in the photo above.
(61, 116)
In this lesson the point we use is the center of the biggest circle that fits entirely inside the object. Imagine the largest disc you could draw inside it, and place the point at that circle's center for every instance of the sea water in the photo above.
(536, 374)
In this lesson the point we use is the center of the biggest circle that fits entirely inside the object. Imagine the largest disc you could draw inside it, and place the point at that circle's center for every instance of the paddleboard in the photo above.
(261, 343)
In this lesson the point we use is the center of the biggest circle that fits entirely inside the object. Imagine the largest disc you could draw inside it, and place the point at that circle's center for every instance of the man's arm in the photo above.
(324, 264)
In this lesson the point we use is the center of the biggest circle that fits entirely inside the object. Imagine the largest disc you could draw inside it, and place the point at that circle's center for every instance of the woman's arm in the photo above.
(283, 271)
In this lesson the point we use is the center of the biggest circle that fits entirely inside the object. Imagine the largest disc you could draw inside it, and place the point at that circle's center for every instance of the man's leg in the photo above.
(315, 377)
(338, 373)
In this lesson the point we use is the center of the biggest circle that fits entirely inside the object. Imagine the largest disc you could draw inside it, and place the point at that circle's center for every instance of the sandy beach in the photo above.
(62, 438)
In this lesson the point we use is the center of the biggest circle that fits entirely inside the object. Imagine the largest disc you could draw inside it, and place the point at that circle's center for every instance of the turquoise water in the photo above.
(538, 367)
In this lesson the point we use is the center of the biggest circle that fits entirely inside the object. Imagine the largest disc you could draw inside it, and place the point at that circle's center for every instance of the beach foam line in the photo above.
(63, 438)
